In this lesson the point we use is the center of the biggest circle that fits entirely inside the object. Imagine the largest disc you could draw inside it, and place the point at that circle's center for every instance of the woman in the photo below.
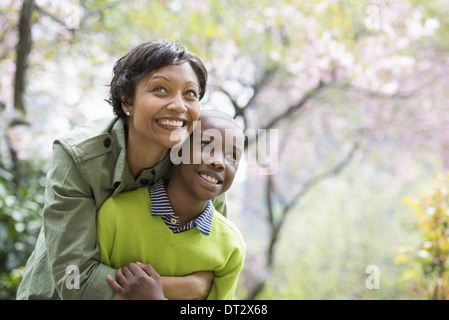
(155, 94)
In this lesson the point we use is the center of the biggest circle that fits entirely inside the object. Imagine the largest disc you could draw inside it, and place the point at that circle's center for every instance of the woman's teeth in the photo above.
(172, 123)
(209, 178)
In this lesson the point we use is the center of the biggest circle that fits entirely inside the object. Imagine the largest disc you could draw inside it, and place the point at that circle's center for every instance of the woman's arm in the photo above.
(69, 221)
(191, 287)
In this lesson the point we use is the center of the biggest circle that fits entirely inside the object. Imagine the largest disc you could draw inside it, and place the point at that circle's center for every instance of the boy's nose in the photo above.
(218, 163)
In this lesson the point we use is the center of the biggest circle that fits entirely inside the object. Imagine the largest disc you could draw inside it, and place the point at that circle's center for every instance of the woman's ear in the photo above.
(126, 108)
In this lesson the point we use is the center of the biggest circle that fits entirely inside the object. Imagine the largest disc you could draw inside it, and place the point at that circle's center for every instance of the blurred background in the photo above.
(357, 93)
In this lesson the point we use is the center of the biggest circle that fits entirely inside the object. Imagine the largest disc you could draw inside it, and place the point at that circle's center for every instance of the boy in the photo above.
(173, 224)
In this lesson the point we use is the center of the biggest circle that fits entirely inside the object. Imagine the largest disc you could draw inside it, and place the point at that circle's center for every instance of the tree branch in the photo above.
(50, 15)
(276, 225)
(99, 10)
(293, 108)
(267, 75)
(237, 109)
(94, 11)
(268, 195)
(315, 180)
(240, 110)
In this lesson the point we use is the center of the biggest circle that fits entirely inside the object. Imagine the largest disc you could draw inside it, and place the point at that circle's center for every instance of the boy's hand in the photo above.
(195, 286)
(137, 282)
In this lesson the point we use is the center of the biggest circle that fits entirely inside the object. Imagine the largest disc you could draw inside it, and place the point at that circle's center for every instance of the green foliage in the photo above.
(428, 265)
(20, 221)
(9, 282)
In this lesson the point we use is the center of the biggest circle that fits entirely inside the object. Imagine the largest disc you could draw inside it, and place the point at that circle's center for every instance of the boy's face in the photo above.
(220, 151)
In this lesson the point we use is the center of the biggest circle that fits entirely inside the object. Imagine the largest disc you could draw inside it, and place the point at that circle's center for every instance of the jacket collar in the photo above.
(122, 178)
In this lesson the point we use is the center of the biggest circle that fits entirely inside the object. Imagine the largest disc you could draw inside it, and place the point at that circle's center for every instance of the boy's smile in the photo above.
(210, 177)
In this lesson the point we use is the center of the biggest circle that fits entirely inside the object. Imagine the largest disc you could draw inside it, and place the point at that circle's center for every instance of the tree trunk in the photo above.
(23, 51)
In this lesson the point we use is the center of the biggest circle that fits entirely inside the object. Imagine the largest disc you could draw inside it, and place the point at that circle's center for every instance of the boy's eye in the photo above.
(206, 144)
(231, 157)
(191, 94)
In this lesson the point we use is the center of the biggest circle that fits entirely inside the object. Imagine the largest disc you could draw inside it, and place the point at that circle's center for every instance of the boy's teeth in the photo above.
(209, 178)
(173, 123)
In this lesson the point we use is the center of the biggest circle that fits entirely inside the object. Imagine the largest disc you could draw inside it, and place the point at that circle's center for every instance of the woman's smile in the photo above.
(172, 123)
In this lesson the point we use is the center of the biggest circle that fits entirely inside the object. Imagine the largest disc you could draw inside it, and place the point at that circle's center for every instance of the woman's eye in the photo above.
(159, 89)
(191, 94)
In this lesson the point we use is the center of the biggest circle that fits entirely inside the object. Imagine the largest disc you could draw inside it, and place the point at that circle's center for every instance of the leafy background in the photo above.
(357, 92)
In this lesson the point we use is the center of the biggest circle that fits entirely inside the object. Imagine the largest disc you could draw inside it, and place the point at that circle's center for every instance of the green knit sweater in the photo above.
(127, 232)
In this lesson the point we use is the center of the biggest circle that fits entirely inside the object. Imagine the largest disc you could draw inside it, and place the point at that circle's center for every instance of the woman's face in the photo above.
(166, 104)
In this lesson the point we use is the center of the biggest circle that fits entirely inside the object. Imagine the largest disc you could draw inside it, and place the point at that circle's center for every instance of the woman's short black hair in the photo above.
(141, 60)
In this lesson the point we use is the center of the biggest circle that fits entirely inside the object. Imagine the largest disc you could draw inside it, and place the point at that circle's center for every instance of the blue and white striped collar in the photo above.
(160, 206)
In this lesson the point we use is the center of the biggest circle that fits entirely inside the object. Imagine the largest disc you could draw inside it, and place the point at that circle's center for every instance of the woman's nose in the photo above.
(178, 104)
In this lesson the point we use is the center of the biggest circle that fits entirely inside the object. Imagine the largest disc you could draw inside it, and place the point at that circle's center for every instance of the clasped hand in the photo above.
(137, 281)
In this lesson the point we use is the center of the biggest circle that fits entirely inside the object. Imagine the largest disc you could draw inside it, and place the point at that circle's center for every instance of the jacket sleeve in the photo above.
(69, 221)
(220, 204)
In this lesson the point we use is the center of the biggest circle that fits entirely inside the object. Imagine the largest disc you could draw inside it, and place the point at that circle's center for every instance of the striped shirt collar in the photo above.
(160, 206)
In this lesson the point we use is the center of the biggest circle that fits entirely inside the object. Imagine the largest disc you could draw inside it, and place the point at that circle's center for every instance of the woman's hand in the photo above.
(137, 281)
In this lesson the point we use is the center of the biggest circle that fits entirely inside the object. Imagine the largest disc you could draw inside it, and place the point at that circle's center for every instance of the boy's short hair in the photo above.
(143, 59)
(176, 155)
(214, 113)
